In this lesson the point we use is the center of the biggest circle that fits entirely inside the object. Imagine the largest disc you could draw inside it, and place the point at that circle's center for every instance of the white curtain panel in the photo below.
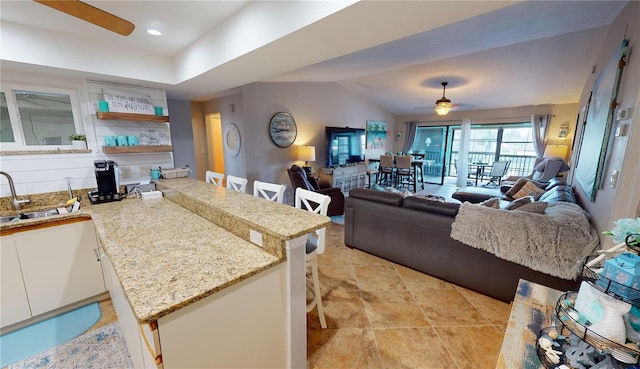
(463, 154)
(410, 135)
(539, 125)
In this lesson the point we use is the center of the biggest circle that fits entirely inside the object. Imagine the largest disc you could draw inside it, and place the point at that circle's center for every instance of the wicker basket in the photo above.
(620, 352)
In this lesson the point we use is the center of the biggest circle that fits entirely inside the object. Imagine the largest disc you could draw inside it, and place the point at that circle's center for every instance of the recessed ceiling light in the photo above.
(154, 32)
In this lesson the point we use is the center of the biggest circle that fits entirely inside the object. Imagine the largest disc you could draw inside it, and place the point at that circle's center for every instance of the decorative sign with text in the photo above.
(128, 102)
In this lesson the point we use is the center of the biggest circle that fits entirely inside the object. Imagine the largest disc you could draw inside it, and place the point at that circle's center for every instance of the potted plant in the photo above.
(79, 141)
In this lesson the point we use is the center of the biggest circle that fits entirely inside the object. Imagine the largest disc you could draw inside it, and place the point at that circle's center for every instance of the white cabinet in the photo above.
(347, 177)
(59, 265)
(140, 355)
(15, 306)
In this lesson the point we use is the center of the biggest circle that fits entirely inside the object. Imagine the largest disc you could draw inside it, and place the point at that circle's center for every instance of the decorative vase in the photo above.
(77, 144)
(611, 326)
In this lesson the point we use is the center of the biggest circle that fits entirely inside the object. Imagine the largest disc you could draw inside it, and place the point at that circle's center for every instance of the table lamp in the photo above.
(556, 151)
(307, 154)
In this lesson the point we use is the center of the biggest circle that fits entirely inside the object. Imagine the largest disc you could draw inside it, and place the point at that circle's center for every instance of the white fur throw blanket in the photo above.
(554, 243)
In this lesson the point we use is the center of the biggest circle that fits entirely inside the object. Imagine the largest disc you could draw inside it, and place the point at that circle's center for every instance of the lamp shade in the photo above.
(307, 153)
(443, 107)
(556, 151)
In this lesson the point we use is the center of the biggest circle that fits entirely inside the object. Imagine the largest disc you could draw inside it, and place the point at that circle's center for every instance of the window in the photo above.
(34, 117)
(489, 143)
(6, 132)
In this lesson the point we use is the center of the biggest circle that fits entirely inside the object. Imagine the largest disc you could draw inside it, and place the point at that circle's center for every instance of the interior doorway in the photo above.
(215, 151)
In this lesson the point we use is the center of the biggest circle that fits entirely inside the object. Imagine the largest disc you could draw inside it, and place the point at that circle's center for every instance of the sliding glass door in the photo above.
(432, 142)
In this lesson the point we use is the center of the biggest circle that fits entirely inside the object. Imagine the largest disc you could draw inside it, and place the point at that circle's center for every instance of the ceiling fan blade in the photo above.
(92, 14)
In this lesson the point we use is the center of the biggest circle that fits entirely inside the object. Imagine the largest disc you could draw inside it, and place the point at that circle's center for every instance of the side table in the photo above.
(532, 308)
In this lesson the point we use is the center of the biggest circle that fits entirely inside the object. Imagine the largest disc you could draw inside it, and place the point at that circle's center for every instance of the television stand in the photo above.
(346, 177)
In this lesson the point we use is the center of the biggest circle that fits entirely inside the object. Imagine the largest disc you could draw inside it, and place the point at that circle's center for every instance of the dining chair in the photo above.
(315, 203)
(237, 183)
(386, 170)
(404, 174)
(269, 191)
(373, 169)
(214, 177)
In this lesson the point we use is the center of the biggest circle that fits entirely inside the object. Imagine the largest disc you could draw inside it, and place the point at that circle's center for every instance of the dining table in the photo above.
(478, 169)
(417, 166)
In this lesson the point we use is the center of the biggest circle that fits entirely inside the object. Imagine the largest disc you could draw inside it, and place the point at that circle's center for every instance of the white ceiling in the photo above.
(493, 54)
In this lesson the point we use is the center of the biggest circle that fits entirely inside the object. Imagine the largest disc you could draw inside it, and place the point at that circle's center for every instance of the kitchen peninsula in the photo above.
(220, 273)
(206, 277)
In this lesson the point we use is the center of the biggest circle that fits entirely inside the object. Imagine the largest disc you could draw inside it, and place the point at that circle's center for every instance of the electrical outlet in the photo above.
(145, 170)
(125, 172)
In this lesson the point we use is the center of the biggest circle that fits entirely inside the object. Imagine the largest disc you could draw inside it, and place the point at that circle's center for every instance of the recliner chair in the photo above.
(299, 178)
(544, 170)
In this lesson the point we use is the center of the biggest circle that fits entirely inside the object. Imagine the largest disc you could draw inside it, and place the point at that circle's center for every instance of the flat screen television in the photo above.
(344, 145)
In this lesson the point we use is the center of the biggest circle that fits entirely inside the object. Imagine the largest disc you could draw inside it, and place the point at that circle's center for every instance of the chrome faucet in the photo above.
(14, 199)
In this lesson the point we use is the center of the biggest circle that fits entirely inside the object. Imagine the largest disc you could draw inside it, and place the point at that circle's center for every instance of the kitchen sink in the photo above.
(39, 214)
(6, 219)
(29, 215)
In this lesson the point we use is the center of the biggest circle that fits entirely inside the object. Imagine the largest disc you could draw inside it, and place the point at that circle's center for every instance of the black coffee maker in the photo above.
(108, 179)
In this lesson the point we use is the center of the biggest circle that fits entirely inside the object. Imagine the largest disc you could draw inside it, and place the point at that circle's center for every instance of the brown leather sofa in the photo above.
(299, 178)
(414, 232)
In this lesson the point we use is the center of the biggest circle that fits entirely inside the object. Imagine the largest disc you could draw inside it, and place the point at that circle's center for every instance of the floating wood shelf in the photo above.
(136, 149)
(133, 117)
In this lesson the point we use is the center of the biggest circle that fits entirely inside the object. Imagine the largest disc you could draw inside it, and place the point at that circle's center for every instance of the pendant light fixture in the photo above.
(443, 105)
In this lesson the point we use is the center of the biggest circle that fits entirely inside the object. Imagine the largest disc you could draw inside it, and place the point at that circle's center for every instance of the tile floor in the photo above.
(383, 315)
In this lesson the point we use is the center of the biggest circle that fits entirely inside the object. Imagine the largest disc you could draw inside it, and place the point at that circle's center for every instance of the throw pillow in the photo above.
(493, 202)
(534, 207)
(529, 189)
(519, 202)
(516, 187)
(377, 187)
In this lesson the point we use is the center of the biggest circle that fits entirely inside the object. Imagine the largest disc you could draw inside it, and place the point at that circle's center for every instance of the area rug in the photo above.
(103, 348)
(337, 219)
(40, 336)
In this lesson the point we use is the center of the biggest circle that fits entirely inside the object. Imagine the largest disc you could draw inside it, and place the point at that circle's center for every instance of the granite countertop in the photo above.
(173, 251)
(280, 220)
(166, 257)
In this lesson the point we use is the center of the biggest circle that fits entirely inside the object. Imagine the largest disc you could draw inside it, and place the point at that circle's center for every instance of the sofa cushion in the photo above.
(433, 206)
(516, 187)
(556, 181)
(493, 202)
(559, 193)
(382, 197)
(519, 202)
(475, 195)
(528, 189)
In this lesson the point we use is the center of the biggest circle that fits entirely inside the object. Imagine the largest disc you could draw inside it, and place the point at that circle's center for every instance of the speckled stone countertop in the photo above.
(171, 252)
(166, 257)
(239, 213)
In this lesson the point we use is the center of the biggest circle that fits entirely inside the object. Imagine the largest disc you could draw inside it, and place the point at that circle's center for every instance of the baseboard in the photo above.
(50, 314)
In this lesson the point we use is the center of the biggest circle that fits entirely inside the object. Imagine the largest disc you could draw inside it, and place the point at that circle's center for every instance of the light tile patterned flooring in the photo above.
(383, 315)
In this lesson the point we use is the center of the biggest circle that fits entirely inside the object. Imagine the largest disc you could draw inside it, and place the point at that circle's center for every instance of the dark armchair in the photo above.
(299, 178)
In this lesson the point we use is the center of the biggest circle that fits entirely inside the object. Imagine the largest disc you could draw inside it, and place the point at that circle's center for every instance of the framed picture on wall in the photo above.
(595, 144)
(376, 134)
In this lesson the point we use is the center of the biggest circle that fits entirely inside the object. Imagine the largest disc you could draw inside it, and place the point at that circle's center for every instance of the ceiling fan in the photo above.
(92, 15)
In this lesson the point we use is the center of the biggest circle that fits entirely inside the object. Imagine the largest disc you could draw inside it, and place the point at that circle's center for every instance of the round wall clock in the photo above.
(231, 138)
(282, 129)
